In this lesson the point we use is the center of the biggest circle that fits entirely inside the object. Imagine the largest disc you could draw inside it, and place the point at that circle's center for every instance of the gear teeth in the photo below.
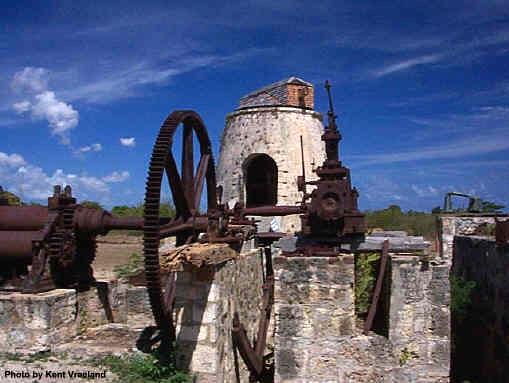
(162, 146)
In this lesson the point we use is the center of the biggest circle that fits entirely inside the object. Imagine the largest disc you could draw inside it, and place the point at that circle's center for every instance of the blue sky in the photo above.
(421, 88)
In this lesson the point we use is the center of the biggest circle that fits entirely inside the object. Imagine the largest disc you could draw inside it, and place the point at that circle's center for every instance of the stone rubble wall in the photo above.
(314, 310)
(316, 339)
(419, 318)
(450, 226)
(206, 299)
(205, 303)
(32, 323)
(274, 131)
(481, 329)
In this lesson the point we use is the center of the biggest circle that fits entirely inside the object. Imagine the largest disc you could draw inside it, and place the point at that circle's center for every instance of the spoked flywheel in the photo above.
(186, 189)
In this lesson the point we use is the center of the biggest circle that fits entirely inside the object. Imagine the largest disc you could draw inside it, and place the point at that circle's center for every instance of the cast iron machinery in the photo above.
(43, 248)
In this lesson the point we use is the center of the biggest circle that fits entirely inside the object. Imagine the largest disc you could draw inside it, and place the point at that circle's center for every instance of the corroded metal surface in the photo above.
(196, 255)
(57, 242)
(378, 288)
(186, 192)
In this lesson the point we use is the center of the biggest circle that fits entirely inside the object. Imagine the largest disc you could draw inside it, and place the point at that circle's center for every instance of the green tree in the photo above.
(393, 218)
(92, 205)
(12, 199)
(491, 207)
(436, 210)
(165, 210)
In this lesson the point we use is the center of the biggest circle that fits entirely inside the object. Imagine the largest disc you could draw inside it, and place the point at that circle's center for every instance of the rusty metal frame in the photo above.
(378, 288)
(253, 356)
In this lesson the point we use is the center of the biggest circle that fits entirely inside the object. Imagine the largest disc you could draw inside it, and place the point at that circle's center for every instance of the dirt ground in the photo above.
(112, 250)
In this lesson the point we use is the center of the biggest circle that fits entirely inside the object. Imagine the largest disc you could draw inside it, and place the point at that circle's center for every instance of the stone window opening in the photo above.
(260, 175)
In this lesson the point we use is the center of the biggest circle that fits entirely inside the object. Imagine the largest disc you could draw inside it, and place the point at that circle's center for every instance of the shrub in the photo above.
(461, 291)
(143, 368)
(134, 265)
(365, 277)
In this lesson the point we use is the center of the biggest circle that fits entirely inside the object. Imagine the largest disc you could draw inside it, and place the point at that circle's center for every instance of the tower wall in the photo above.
(274, 131)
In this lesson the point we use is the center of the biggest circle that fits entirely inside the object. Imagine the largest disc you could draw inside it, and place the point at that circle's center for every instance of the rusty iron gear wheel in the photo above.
(186, 192)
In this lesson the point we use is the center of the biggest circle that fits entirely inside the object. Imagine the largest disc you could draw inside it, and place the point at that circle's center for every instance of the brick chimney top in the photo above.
(292, 91)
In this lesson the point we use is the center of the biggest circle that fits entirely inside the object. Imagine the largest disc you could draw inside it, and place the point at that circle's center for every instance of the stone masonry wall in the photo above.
(481, 329)
(205, 302)
(314, 311)
(34, 322)
(316, 339)
(274, 131)
(465, 224)
(419, 319)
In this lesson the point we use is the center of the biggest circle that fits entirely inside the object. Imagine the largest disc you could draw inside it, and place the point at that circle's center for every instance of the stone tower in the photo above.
(260, 153)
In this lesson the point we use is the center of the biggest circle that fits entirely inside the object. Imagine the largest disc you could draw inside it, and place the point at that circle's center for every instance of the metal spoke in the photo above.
(177, 189)
(188, 163)
(198, 181)
(169, 294)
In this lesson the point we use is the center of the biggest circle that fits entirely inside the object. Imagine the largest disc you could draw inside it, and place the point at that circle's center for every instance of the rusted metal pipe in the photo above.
(124, 223)
(17, 243)
(272, 210)
(23, 217)
(95, 221)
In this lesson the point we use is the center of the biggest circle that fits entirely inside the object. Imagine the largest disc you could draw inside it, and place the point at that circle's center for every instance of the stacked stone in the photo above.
(314, 313)
(271, 121)
(316, 338)
(33, 322)
(205, 303)
(450, 226)
(419, 319)
(274, 131)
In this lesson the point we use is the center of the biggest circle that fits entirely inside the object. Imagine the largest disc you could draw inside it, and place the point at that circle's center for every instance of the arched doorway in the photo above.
(260, 175)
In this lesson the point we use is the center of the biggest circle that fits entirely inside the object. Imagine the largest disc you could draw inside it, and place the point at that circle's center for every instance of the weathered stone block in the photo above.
(138, 311)
(35, 322)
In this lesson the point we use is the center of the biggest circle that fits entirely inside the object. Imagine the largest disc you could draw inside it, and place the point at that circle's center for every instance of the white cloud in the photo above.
(11, 160)
(89, 148)
(407, 64)
(425, 191)
(22, 106)
(32, 182)
(128, 141)
(117, 176)
(62, 117)
(127, 79)
(31, 80)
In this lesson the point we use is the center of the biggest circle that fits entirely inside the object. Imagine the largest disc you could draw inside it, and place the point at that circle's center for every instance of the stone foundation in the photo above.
(314, 310)
(419, 319)
(316, 339)
(205, 303)
(34, 322)
(206, 299)
(450, 226)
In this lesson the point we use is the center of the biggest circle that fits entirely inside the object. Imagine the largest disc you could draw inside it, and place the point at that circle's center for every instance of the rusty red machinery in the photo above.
(43, 248)
(54, 246)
